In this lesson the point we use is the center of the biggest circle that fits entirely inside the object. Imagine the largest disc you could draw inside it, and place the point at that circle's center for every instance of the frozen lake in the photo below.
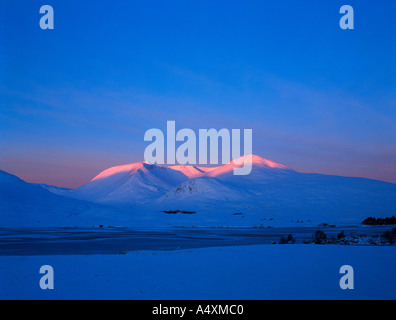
(115, 240)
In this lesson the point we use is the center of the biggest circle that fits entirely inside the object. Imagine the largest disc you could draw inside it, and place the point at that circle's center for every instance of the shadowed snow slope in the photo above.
(210, 188)
(192, 171)
(28, 204)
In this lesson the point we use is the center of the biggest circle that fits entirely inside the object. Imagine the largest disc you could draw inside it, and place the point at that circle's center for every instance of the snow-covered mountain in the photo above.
(140, 183)
(276, 193)
(272, 194)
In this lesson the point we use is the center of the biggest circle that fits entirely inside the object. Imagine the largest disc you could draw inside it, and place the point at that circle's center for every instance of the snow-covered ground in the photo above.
(239, 272)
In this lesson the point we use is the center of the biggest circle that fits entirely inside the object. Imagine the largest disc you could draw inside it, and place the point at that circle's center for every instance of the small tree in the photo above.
(290, 239)
(319, 237)
(390, 235)
(283, 240)
(341, 235)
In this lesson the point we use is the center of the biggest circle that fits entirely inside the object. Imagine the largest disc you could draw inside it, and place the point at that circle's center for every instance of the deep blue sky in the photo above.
(78, 99)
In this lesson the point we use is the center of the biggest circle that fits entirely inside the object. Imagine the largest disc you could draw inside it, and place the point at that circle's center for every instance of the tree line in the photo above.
(379, 221)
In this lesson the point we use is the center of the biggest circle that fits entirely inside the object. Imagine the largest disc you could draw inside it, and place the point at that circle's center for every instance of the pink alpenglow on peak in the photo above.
(140, 182)
(190, 171)
(258, 161)
(118, 170)
(245, 163)
(187, 152)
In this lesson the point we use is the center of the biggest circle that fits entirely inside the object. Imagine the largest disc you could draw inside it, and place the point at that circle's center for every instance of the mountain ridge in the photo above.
(273, 194)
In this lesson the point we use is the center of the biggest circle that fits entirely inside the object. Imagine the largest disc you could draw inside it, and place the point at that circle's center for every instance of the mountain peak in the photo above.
(190, 171)
(118, 170)
(257, 161)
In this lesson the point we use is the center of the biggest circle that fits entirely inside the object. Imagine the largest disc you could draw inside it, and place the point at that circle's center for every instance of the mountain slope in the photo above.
(192, 171)
(132, 184)
(273, 192)
(27, 204)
